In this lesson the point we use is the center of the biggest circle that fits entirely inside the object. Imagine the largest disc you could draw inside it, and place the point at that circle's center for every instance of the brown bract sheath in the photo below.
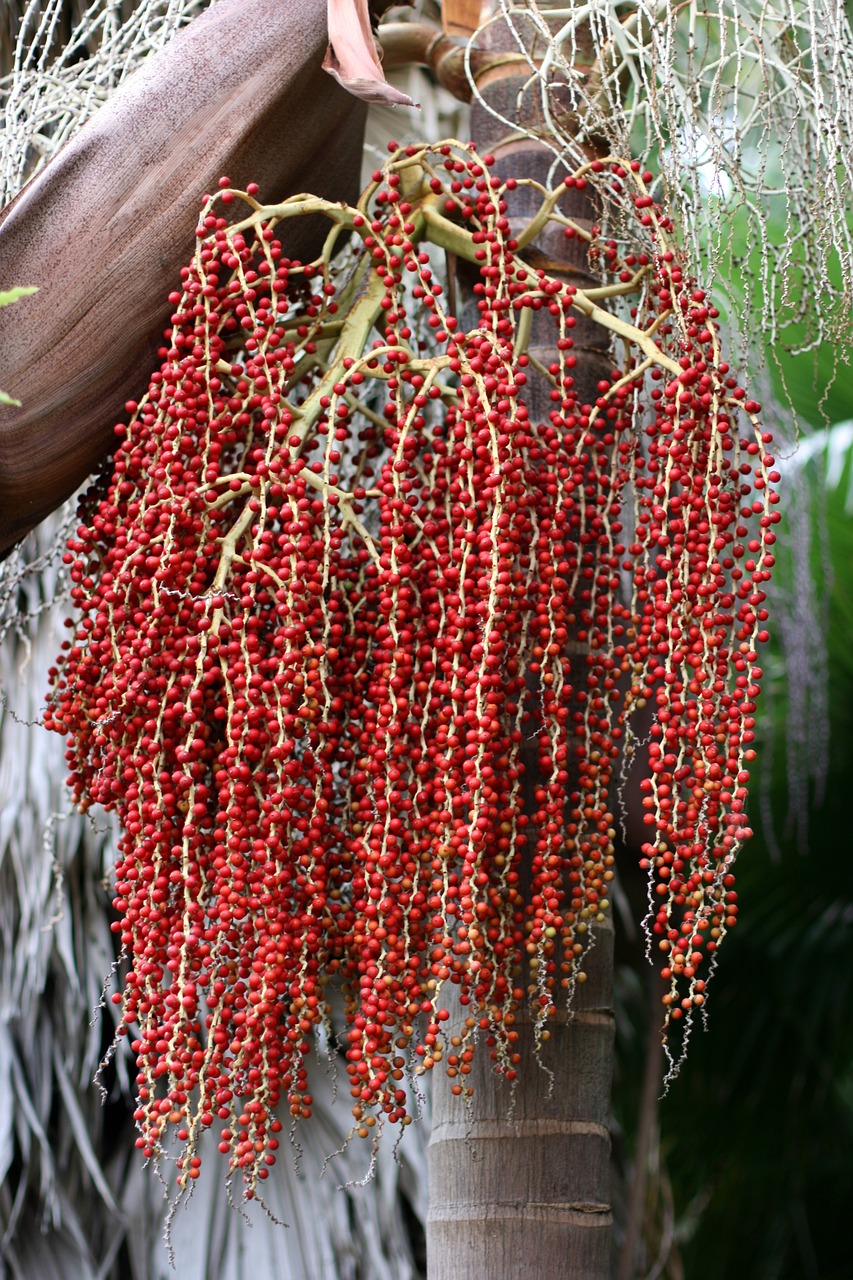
(104, 229)
(352, 54)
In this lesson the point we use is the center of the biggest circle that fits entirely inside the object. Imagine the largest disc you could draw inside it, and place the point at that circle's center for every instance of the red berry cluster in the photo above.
(701, 558)
(359, 711)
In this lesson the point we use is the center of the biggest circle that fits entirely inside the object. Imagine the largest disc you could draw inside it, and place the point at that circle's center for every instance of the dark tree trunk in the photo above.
(520, 1182)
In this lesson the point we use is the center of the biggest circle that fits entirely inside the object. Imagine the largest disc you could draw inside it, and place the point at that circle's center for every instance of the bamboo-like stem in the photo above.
(422, 44)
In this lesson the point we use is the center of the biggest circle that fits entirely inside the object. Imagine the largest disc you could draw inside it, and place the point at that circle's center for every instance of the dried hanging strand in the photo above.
(338, 590)
(741, 102)
(56, 78)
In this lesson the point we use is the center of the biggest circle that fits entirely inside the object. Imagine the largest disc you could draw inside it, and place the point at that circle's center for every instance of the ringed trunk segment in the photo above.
(103, 229)
(520, 1180)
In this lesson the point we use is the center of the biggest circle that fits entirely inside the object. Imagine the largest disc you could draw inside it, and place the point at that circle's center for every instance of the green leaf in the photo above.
(819, 384)
(8, 296)
(12, 295)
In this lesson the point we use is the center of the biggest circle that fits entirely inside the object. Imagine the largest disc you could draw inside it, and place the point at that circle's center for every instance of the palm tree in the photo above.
(595, 67)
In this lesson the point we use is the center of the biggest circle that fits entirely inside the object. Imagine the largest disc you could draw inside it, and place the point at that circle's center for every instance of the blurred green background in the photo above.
(749, 1167)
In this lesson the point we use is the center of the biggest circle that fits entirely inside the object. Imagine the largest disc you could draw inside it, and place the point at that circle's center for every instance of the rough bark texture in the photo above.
(104, 229)
(520, 1183)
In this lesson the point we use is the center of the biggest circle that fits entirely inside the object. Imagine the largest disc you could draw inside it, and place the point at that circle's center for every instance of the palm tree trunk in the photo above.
(520, 1181)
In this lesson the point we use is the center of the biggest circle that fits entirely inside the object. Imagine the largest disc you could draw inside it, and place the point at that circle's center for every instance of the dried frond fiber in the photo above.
(60, 61)
(746, 107)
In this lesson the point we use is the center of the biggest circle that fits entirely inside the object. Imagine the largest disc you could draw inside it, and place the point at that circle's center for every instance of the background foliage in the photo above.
(750, 1174)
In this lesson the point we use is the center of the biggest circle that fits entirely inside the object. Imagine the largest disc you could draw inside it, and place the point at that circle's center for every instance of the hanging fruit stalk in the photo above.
(325, 596)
